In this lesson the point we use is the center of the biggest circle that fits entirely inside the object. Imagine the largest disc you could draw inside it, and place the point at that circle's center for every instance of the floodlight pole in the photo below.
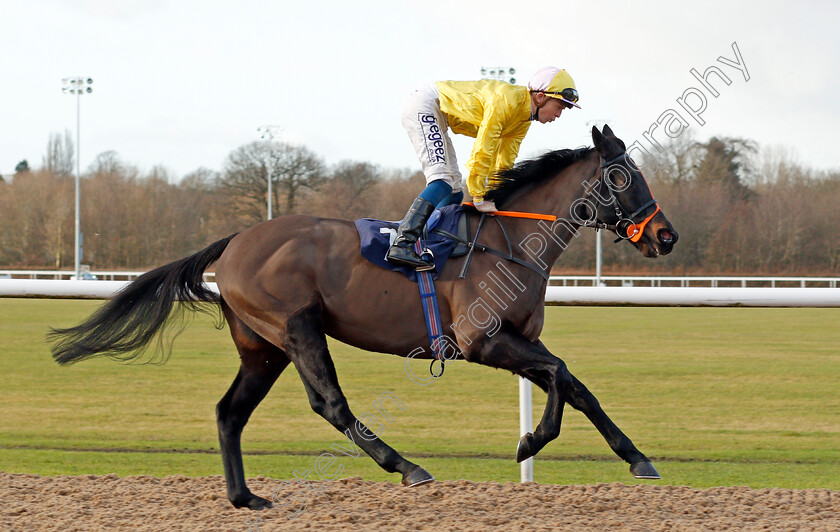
(270, 132)
(77, 86)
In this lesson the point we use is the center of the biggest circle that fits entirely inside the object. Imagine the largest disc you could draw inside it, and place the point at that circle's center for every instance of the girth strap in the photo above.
(431, 313)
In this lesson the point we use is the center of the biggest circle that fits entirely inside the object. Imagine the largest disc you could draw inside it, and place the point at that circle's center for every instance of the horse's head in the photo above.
(623, 200)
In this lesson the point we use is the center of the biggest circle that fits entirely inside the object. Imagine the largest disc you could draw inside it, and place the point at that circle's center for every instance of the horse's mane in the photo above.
(531, 172)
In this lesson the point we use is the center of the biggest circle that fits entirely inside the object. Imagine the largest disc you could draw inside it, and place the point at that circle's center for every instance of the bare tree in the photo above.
(393, 194)
(294, 169)
(107, 162)
(676, 162)
(201, 179)
(244, 180)
(350, 186)
(60, 157)
(37, 220)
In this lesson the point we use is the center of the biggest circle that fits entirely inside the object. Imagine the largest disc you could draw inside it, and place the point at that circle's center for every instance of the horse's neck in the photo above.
(553, 196)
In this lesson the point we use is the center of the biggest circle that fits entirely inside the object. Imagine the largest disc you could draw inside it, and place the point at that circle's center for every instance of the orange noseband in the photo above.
(634, 232)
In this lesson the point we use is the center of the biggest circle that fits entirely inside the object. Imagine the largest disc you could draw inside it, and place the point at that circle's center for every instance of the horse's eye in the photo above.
(618, 179)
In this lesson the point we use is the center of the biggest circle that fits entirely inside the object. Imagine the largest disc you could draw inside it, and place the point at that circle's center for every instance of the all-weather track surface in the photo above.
(67, 503)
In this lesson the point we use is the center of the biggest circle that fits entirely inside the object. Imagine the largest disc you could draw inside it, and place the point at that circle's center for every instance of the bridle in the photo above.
(627, 227)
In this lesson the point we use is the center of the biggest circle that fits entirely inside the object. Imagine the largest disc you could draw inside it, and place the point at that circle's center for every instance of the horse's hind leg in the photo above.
(582, 399)
(306, 345)
(261, 364)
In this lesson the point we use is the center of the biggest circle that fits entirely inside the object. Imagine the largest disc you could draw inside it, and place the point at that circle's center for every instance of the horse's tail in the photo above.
(124, 326)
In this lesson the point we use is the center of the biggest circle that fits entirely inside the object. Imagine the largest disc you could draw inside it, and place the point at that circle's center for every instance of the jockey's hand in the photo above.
(485, 206)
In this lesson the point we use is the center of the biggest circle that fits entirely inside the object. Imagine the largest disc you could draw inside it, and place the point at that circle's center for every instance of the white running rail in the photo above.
(694, 281)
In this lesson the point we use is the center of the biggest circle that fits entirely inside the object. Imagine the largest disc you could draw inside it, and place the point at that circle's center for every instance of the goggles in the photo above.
(566, 94)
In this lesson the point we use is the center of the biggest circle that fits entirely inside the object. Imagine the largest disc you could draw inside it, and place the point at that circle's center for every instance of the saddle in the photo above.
(377, 236)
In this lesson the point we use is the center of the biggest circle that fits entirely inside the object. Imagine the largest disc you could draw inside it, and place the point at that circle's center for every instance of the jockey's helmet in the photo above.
(556, 83)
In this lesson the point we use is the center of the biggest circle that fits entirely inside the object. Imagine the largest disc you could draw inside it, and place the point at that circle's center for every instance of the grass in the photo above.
(714, 396)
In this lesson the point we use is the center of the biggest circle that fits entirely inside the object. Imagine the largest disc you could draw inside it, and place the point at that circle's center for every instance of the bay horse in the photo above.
(288, 283)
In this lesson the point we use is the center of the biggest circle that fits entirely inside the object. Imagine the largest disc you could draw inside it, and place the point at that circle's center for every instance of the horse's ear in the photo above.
(597, 138)
(607, 144)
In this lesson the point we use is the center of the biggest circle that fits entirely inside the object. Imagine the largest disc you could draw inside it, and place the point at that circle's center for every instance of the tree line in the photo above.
(738, 210)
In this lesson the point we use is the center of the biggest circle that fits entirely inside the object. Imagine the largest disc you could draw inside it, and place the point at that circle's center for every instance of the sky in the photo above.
(183, 83)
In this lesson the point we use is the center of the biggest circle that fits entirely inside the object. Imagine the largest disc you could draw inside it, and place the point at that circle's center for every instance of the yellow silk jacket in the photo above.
(495, 113)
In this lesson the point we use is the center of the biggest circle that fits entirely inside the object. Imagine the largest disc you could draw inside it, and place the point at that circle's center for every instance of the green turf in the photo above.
(714, 396)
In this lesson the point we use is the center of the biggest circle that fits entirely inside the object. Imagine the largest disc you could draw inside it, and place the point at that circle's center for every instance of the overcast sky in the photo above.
(182, 83)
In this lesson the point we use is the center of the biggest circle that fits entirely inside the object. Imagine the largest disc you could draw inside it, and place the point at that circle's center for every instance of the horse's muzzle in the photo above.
(666, 238)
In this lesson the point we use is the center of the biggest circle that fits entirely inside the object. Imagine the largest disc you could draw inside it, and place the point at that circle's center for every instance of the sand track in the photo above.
(32, 502)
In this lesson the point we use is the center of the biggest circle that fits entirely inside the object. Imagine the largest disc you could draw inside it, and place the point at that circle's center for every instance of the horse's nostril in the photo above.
(666, 236)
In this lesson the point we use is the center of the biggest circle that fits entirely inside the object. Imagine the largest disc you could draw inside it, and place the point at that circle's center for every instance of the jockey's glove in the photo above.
(485, 206)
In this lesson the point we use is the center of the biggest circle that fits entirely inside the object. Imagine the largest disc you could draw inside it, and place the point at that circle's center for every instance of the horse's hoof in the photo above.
(523, 449)
(644, 470)
(252, 501)
(417, 477)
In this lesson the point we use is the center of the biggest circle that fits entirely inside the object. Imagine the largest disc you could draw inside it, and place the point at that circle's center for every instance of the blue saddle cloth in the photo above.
(376, 237)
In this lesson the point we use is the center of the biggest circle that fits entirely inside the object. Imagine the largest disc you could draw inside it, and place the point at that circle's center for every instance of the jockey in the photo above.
(497, 114)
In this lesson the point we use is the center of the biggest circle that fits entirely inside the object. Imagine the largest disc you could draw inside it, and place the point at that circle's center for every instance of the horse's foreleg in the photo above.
(582, 399)
(307, 347)
(511, 351)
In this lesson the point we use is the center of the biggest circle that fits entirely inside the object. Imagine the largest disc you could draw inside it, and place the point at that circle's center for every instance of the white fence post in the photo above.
(526, 425)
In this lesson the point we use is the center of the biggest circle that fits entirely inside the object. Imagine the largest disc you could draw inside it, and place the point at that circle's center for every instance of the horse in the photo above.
(286, 284)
